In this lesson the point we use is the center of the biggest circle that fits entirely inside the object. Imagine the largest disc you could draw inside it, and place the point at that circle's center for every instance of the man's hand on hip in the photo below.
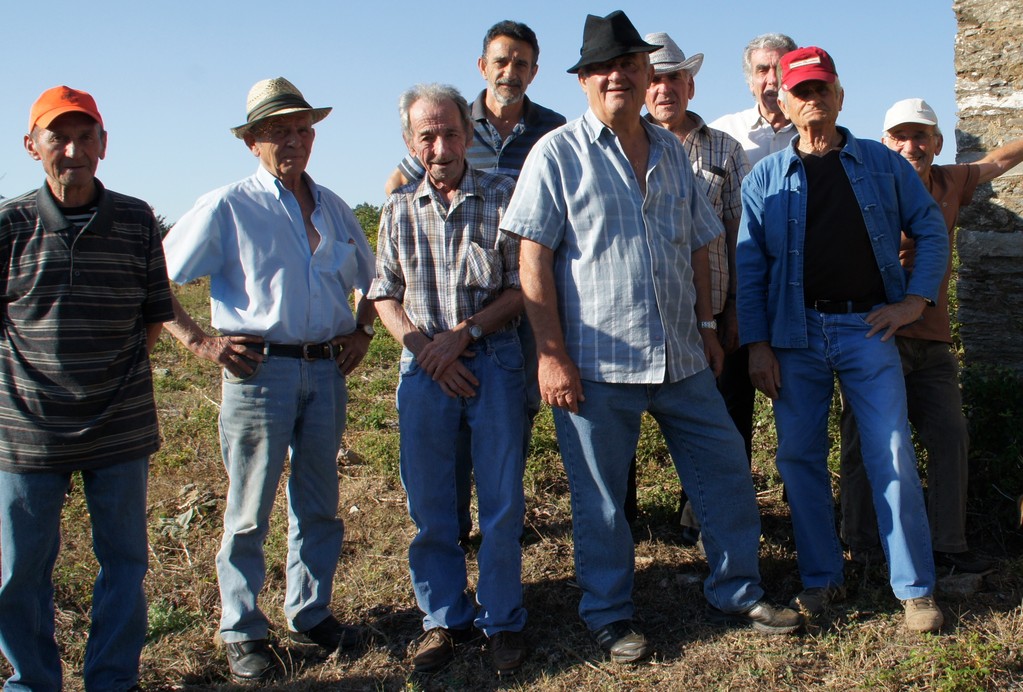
(354, 348)
(889, 318)
(232, 352)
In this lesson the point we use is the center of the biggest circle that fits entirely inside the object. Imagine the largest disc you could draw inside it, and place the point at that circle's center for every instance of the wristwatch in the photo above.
(708, 324)
(366, 329)
(475, 332)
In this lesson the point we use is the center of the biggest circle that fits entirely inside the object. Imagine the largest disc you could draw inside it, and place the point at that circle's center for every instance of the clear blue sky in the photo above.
(170, 78)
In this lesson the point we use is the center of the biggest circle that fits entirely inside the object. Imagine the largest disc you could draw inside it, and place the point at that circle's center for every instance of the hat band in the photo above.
(271, 106)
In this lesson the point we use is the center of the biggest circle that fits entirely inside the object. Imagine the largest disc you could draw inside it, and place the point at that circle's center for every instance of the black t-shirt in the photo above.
(838, 261)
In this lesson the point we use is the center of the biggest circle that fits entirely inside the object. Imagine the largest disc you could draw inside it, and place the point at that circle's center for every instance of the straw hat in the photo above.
(670, 58)
(276, 96)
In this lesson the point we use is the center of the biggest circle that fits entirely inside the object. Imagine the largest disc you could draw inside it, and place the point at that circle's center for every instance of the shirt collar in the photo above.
(53, 219)
(468, 187)
(479, 109)
(272, 184)
(755, 121)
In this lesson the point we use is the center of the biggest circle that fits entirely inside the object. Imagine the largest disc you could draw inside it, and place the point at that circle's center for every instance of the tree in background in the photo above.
(369, 218)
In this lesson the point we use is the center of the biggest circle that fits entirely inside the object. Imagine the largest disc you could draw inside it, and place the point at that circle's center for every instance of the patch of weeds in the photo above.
(166, 618)
(939, 663)
(379, 449)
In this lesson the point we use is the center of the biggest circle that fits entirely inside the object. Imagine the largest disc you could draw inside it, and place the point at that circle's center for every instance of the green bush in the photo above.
(993, 399)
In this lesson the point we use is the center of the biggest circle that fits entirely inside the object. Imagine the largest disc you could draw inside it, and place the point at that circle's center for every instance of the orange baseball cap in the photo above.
(58, 101)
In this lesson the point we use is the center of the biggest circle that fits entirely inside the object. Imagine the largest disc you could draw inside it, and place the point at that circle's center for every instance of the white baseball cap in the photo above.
(909, 111)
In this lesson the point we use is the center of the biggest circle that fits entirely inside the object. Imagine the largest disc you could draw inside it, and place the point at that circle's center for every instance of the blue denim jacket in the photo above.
(769, 257)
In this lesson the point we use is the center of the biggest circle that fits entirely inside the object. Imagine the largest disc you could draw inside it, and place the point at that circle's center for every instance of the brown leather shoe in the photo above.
(508, 651)
(434, 650)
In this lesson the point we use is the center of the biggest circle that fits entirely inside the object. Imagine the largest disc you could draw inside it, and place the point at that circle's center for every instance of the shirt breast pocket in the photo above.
(483, 268)
(342, 262)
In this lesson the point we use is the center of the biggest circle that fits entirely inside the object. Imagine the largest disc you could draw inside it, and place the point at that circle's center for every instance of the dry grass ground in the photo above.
(859, 646)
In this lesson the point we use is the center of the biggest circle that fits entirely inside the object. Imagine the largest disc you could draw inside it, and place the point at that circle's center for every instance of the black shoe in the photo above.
(329, 635)
(508, 651)
(763, 617)
(868, 556)
(251, 661)
(688, 536)
(966, 561)
(623, 642)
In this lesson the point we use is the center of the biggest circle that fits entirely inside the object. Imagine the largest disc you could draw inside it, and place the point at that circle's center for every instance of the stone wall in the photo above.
(989, 93)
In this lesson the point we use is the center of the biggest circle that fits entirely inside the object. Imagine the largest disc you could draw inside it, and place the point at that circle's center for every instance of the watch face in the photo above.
(476, 332)
(367, 329)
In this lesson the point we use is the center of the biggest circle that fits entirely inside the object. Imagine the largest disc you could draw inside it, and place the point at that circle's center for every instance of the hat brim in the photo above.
(809, 75)
(46, 119)
(692, 65)
(610, 54)
(317, 113)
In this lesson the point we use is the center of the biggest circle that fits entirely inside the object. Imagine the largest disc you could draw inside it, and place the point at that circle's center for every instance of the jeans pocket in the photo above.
(507, 355)
(408, 365)
(231, 378)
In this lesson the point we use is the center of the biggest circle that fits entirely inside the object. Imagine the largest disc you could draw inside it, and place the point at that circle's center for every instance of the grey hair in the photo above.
(432, 93)
(764, 42)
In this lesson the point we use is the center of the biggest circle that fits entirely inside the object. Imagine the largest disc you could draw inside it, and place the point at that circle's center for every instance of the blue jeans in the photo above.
(463, 468)
(430, 423)
(871, 379)
(287, 406)
(936, 412)
(597, 445)
(30, 506)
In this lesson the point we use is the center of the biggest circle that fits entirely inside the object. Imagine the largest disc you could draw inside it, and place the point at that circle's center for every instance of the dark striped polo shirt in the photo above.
(75, 385)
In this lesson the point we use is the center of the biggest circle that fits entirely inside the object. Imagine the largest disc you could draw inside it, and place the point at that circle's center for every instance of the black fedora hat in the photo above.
(605, 38)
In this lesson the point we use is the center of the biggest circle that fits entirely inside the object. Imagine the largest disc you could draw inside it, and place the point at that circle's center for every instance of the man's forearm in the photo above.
(396, 321)
(701, 281)
(184, 328)
(500, 311)
(536, 271)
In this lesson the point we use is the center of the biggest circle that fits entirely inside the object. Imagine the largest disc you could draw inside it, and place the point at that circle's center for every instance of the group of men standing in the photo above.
(613, 265)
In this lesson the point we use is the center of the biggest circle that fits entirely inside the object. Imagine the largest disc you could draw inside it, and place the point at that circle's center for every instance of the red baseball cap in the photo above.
(804, 64)
(58, 101)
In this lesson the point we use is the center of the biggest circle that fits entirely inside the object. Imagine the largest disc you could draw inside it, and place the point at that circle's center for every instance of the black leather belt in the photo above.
(304, 351)
(839, 307)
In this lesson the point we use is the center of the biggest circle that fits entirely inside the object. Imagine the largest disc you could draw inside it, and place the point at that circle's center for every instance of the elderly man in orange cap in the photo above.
(85, 292)
(283, 255)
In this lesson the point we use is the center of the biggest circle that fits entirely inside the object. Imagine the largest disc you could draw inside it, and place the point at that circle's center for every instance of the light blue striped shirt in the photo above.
(250, 239)
(621, 260)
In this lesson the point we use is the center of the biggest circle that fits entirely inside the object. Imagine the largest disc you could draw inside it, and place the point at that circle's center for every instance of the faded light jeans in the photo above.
(295, 407)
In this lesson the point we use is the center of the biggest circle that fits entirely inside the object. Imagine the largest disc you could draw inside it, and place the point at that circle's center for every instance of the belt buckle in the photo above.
(316, 351)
